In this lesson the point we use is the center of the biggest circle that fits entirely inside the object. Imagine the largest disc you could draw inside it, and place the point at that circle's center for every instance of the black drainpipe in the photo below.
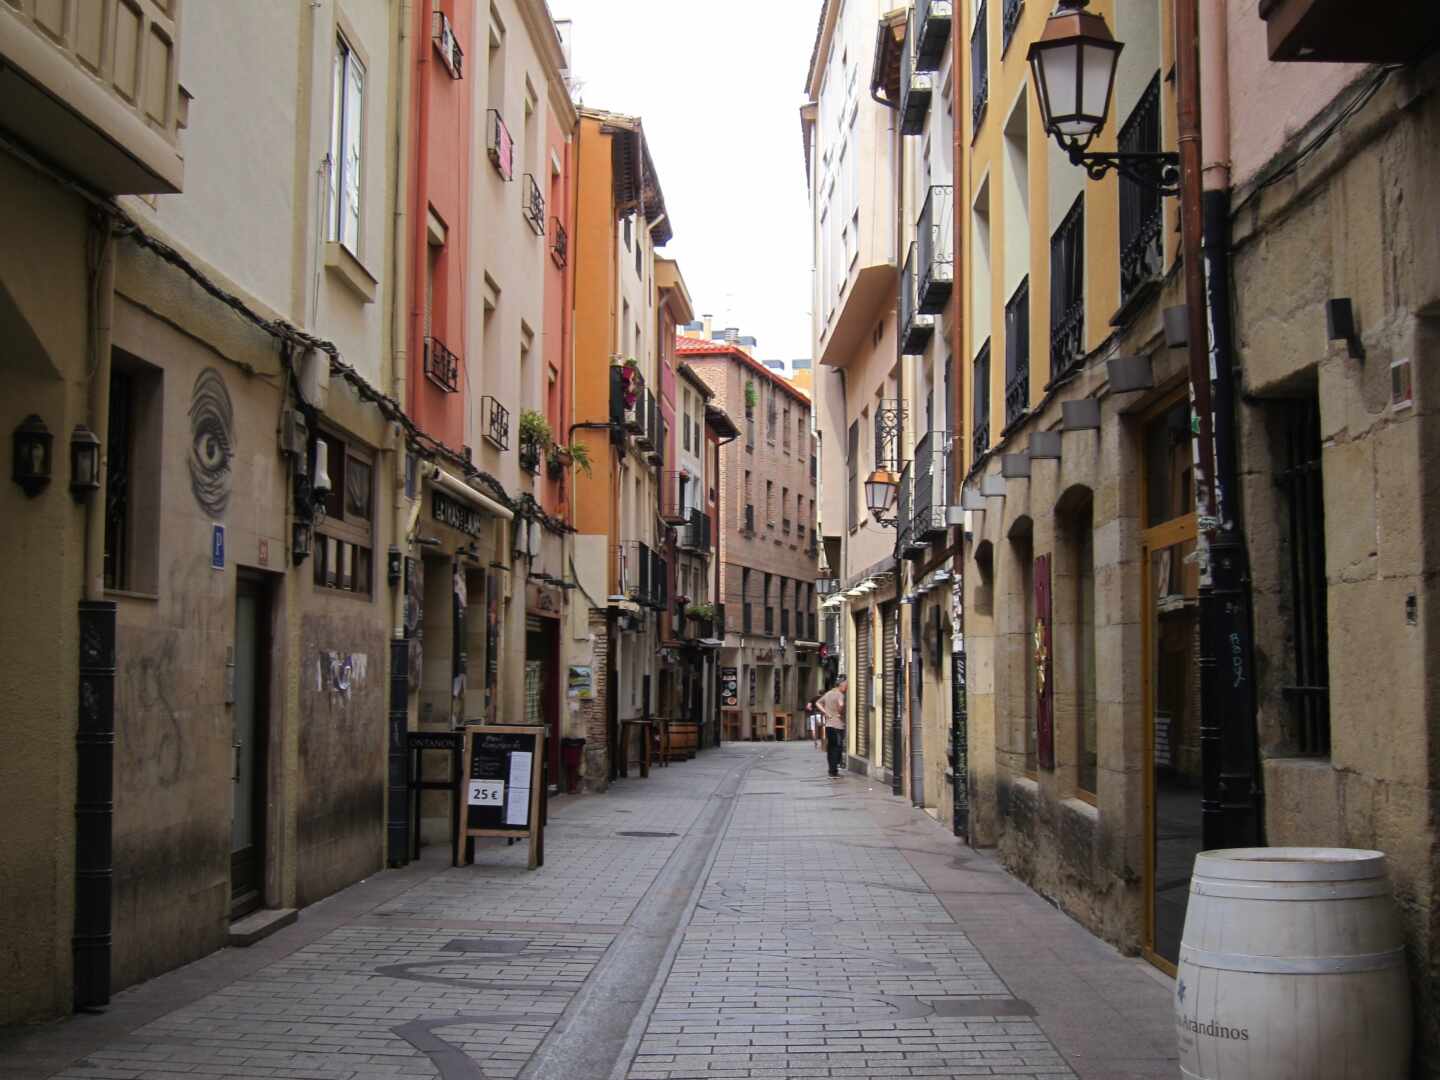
(1234, 785)
(94, 804)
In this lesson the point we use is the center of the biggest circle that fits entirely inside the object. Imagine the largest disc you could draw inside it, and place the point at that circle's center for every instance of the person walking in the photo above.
(815, 720)
(832, 706)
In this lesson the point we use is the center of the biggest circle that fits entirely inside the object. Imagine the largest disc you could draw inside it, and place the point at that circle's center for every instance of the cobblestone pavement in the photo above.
(739, 915)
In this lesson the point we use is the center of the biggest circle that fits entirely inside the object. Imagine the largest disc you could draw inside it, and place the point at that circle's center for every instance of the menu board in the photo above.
(501, 783)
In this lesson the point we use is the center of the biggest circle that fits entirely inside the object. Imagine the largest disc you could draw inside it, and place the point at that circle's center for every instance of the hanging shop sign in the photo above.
(730, 687)
(502, 785)
(456, 514)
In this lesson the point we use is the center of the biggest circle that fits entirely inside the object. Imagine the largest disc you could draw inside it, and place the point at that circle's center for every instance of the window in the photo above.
(346, 124)
(1302, 487)
(852, 464)
(132, 510)
(685, 421)
(770, 503)
(344, 535)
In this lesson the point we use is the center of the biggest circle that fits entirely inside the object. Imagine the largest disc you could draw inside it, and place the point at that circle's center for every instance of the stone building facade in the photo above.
(767, 543)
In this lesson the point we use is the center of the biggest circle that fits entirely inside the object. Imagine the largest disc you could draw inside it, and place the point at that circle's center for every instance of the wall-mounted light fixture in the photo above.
(32, 465)
(881, 489)
(84, 463)
(1073, 68)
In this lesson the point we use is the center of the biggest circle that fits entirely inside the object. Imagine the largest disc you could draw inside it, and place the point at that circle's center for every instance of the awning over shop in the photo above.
(454, 486)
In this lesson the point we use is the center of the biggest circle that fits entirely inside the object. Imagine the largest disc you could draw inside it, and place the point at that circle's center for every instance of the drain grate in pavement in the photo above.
(644, 832)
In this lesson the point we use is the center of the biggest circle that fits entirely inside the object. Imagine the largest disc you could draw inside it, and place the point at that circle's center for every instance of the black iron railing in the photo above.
(1142, 252)
(530, 453)
(916, 89)
(932, 486)
(932, 22)
(890, 417)
(499, 144)
(909, 544)
(1067, 291)
(695, 533)
(1302, 483)
(442, 367)
(559, 243)
(1009, 22)
(934, 238)
(496, 418)
(979, 65)
(534, 208)
(980, 391)
(1017, 354)
(673, 508)
(916, 327)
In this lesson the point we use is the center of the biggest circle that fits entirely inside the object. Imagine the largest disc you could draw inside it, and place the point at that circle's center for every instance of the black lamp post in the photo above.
(1073, 67)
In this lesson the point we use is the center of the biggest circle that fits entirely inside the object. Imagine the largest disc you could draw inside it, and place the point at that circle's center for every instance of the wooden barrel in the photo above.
(1292, 968)
(684, 739)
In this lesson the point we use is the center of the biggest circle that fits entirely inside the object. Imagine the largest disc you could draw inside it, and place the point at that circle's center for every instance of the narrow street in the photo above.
(739, 915)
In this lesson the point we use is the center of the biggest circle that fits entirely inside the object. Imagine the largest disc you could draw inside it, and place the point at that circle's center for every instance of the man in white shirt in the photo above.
(832, 707)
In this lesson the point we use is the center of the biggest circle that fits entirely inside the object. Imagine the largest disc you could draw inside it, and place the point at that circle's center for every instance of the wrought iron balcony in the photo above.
(916, 89)
(534, 208)
(673, 507)
(442, 367)
(1010, 21)
(1067, 292)
(908, 543)
(916, 327)
(1017, 354)
(890, 416)
(496, 419)
(695, 533)
(647, 432)
(1142, 253)
(980, 391)
(559, 243)
(933, 484)
(446, 44)
(636, 572)
(979, 65)
(932, 21)
(627, 399)
(499, 144)
(935, 239)
(530, 454)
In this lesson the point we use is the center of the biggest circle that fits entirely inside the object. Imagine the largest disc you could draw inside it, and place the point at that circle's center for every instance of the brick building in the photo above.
(767, 543)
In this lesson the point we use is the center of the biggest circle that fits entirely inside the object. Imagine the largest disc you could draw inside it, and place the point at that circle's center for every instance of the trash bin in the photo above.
(571, 752)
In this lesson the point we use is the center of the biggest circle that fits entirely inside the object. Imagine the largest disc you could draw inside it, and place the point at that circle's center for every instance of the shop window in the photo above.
(1076, 514)
(345, 530)
(1022, 603)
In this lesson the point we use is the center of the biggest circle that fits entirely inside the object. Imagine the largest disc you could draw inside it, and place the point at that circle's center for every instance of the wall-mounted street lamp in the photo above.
(31, 445)
(84, 463)
(1073, 67)
(881, 488)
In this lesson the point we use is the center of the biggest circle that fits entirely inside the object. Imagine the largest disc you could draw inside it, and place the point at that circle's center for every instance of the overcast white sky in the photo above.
(719, 85)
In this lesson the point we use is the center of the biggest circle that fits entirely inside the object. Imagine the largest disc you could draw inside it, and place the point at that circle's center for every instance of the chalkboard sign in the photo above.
(501, 784)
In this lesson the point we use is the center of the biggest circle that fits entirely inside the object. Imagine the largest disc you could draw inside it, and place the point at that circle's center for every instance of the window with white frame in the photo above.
(346, 124)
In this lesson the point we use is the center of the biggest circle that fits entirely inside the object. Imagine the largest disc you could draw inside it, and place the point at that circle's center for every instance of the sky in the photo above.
(719, 85)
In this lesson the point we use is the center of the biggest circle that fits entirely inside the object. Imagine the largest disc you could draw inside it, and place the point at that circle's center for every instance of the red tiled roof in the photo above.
(693, 346)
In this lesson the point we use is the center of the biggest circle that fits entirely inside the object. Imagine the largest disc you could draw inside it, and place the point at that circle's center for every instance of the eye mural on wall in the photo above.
(212, 442)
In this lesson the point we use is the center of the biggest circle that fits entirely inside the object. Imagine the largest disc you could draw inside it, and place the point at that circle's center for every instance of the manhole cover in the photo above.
(644, 832)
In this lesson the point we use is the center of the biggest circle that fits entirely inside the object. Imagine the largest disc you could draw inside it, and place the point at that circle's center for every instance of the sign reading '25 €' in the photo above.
(485, 793)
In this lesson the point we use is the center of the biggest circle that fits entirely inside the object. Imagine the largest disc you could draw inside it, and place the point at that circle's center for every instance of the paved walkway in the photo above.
(739, 915)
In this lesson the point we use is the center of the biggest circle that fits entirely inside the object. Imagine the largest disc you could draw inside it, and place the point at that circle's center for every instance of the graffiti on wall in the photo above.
(212, 442)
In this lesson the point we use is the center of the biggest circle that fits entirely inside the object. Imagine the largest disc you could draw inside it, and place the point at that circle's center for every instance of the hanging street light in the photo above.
(1073, 65)
(881, 488)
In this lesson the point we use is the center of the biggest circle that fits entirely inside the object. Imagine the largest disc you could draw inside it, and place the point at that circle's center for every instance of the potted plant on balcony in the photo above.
(535, 439)
(558, 458)
(704, 615)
